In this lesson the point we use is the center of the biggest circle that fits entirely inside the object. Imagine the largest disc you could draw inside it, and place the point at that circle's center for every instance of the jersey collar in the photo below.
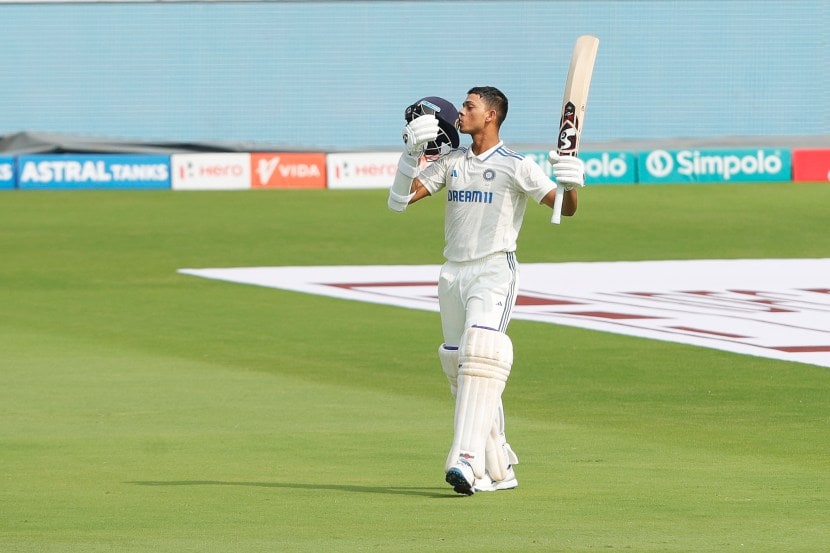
(484, 155)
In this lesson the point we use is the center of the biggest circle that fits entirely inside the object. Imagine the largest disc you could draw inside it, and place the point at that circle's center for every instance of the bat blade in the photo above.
(575, 98)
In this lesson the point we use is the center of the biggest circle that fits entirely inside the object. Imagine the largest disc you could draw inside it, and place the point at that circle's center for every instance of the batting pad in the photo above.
(449, 363)
(485, 358)
(498, 455)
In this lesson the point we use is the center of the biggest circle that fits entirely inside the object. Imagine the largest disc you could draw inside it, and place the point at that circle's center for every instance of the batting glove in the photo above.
(418, 132)
(569, 171)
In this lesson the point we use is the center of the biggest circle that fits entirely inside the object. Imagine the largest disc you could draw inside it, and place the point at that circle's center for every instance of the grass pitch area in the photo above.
(143, 410)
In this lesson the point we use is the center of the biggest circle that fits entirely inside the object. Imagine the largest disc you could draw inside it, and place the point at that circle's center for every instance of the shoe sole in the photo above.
(505, 485)
(459, 484)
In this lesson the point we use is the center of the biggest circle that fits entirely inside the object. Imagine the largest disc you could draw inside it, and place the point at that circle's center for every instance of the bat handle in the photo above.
(556, 218)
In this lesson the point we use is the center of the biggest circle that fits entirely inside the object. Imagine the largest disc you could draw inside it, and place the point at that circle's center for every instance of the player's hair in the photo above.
(493, 99)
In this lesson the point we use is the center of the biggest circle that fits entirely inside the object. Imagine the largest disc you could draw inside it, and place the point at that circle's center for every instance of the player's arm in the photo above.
(569, 201)
(406, 188)
(418, 191)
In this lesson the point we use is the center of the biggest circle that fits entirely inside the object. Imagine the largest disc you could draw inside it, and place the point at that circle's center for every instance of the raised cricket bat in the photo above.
(573, 105)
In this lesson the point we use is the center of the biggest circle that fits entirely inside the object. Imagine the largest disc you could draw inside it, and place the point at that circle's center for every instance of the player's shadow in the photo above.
(397, 490)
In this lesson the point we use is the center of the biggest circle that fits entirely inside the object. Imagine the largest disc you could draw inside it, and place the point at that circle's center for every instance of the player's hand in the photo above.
(418, 132)
(569, 171)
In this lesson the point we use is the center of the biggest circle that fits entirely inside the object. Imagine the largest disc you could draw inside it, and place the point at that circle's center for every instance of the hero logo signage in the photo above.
(362, 170)
(60, 171)
(211, 171)
(288, 170)
(745, 165)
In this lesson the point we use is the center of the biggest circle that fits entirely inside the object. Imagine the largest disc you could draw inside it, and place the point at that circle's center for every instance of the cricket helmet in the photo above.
(447, 117)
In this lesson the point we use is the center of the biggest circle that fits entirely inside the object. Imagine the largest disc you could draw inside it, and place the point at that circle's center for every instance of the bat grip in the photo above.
(556, 218)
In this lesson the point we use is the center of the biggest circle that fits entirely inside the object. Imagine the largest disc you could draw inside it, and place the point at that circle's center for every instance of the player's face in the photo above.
(473, 114)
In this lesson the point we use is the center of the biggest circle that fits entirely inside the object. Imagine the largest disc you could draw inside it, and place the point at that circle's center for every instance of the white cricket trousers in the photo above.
(477, 293)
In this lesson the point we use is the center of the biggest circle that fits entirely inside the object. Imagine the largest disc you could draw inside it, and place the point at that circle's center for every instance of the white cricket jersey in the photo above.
(486, 198)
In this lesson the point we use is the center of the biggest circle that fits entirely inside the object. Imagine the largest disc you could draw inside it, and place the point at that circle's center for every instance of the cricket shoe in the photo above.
(461, 478)
(487, 484)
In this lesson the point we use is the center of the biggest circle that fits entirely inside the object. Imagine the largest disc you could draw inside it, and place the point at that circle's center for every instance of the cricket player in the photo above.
(487, 189)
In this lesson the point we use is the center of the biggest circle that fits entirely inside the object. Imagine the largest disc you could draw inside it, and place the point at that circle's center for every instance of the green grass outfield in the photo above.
(143, 410)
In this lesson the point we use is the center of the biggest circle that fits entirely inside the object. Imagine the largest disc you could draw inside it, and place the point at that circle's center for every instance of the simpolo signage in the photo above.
(600, 167)
(714, 166)
(98, 171)
(610, 167)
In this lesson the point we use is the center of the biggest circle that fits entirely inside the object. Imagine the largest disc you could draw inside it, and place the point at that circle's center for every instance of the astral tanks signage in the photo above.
(6, 172)
(95, 171)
